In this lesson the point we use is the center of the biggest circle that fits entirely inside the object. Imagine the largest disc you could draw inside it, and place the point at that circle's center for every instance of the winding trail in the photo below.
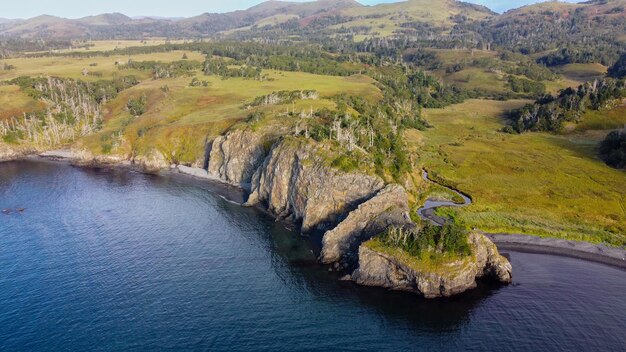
(427, 212)
(526, 243)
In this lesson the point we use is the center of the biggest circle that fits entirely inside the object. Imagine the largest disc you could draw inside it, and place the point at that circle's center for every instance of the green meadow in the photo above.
(534, 183)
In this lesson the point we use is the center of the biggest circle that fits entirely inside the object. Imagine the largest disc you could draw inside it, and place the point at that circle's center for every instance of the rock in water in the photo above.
(380, 269)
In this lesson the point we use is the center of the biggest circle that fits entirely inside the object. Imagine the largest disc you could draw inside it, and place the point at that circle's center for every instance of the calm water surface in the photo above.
(111, 260)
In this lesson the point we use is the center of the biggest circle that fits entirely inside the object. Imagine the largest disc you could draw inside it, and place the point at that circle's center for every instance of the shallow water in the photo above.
(111, 260)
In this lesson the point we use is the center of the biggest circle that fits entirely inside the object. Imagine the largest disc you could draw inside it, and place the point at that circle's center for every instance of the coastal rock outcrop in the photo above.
(153, 162)
(389, 207)
(295, 182)
(384, 270)
(7, 153)
(235, 156)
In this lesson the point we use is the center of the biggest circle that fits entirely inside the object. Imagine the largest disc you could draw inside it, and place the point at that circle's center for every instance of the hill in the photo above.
(583, 32)
(107, 19)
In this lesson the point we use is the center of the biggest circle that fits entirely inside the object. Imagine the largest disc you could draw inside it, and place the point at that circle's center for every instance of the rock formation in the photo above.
(384, 270)
(388, 207)
(234, 157)
(295, 182)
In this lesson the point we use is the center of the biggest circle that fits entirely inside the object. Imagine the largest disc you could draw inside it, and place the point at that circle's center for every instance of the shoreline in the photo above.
(598, 253)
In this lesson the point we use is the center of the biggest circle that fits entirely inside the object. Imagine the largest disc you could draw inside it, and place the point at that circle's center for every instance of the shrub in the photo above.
(452, 238)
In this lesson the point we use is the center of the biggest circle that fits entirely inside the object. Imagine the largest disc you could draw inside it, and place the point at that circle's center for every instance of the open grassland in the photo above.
(533, 183)
(583, 72)
(109, 45)
(104, 66)
(478, 78)
(14, 102)
(603, 120)
(179, 118)
(573, 75)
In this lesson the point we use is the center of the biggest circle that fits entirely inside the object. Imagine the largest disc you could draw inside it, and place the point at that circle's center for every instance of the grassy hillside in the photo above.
(533, 183)
(73, 67)
(14, 102)
(178, 121)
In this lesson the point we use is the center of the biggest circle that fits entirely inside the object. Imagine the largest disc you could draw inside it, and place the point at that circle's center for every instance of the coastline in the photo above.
(599, 253)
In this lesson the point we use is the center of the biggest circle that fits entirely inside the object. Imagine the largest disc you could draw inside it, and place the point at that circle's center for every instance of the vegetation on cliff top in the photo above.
(432, 248)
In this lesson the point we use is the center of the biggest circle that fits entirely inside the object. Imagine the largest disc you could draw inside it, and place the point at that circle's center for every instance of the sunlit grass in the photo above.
(533, 183)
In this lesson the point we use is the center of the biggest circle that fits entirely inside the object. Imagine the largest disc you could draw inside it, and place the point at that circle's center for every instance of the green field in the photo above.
(533, 183)
(187, 115)
(14, 102)
(72, 67)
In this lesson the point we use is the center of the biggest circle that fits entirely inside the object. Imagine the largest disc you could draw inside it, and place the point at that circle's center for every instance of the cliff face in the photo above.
(234, 157)
(381, 269)
(388, 207)
(294, 182)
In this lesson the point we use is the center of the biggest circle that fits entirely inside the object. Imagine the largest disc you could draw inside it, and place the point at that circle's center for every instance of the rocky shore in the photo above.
(381, 269)
(583, 250)
(291, 180)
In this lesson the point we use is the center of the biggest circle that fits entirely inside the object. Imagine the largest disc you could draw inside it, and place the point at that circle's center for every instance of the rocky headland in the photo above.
(395, 272)
(291, 178)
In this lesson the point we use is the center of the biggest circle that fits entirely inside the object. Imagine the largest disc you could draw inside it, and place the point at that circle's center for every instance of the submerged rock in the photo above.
(384, 270)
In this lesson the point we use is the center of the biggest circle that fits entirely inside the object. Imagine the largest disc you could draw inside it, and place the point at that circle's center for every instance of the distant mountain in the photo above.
(107, 19)
(117, 25)
(569, 27)
(7, 20)
(214, 22)
(45, 26)
(538, 29)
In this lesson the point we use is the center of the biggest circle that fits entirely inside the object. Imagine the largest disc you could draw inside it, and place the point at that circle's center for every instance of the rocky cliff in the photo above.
(389, 207)
(294, 182)
(381, 269)
(234, 157)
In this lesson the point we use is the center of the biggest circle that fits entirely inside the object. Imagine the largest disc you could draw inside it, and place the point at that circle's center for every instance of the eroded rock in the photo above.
(384, 270)
(234, 157)
(295, 182)
(389, 207)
